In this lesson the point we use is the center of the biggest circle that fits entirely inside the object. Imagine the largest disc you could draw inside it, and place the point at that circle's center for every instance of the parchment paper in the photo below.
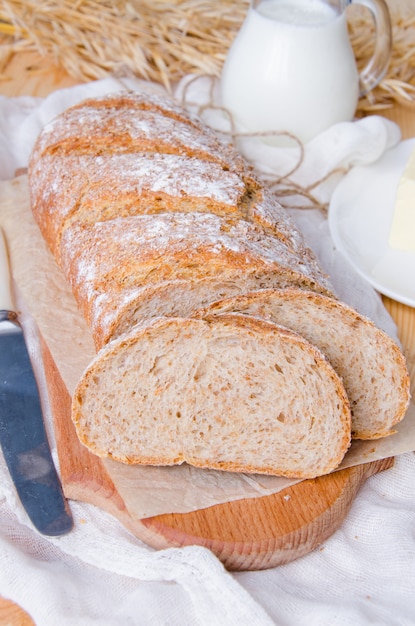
(50, 302)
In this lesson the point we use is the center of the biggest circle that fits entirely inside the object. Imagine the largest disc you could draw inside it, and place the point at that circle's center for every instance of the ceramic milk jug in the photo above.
(292, 67)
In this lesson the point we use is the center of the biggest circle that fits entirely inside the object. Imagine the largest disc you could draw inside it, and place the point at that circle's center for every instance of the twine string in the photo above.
(281, 185)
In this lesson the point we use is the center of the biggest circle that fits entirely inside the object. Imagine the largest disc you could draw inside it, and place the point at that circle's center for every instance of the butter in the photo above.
(402, 233)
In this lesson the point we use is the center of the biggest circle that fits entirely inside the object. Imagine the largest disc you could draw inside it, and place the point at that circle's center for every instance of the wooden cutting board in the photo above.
(251, 534)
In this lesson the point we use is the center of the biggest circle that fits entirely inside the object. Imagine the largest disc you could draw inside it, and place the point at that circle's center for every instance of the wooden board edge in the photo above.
(272, 530)
(12, 614)
(241, 553)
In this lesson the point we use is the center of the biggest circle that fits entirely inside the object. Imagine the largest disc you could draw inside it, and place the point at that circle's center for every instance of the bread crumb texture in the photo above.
(229, 392)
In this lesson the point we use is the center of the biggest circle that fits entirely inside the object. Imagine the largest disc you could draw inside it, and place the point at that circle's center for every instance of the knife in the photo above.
(22, 431)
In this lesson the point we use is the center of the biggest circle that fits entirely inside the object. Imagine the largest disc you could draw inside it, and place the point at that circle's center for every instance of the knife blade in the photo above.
(23, 436)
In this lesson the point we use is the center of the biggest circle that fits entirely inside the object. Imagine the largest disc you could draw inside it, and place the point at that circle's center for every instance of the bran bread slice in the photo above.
(369, 361)
(229, 392)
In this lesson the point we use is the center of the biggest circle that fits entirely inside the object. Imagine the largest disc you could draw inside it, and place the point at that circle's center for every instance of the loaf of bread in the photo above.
(369, 362)
(201, 296)
(229, 392)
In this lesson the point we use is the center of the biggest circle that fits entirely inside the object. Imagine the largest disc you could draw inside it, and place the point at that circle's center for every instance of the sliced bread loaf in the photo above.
(229, 392)
(150, 215)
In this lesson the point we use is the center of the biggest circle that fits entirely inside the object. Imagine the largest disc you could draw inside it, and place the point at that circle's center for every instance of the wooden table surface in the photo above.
(30, 75)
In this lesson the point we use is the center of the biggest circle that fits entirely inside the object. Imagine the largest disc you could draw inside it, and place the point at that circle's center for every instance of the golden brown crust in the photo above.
(92, 127)
(117, 263)
(135, 154)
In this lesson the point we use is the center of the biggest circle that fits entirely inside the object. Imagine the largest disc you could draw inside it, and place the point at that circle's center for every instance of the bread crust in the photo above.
(118, 125)
(113, 265)
(137, 154)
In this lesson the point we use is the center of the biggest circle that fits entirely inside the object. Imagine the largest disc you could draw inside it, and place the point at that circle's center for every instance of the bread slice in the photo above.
(230, 392)
(124, 269)
(370, 363)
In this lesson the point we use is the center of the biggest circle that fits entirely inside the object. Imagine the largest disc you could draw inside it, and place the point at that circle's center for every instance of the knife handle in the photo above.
(6, 299)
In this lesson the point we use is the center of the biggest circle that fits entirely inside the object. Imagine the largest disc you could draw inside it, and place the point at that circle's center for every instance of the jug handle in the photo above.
(376, 68)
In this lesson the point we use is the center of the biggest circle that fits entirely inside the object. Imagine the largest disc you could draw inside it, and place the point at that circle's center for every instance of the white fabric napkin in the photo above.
(101, 574)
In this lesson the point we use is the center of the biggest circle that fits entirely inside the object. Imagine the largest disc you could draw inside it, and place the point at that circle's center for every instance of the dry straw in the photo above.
(162, 41)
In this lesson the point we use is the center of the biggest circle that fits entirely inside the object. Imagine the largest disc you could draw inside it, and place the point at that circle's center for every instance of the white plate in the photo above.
(360, 217)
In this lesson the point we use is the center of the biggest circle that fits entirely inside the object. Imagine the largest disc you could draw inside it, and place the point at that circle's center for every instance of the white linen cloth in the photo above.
(101, 574)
